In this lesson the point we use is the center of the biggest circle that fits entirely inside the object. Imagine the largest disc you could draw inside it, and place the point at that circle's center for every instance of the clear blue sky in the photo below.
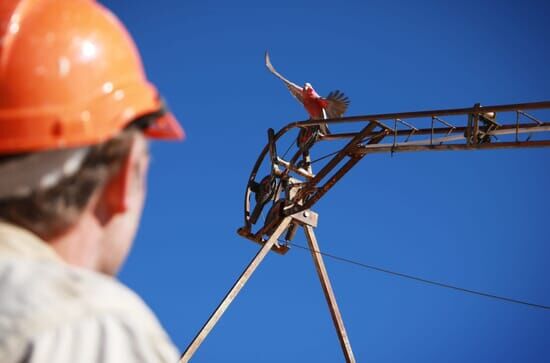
(474, 219)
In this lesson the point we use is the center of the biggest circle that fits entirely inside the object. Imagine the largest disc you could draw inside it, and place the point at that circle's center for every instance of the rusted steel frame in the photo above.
(419, 114)
(395, 132)
(461, 137)
(329, 294)
(246, 233)
(342, 154)
(300, 171)
(250, 180)
(329, 184)
(271, 140)
(474, 132)
(436, 130)
(524, 129)
(290, 164)
(295, 158)
(444, 147)
(256, 167)
(432, 130)
(517, 126)
(272, 146)
(374, 118)
(235, 289)
(334, 179)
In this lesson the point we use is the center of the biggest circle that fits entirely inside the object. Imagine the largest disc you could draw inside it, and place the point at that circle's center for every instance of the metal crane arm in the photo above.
(298, 188)
(291, 188)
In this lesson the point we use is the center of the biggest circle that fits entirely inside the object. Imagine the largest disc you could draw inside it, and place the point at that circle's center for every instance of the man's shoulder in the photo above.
(31, 287)
(42, 296)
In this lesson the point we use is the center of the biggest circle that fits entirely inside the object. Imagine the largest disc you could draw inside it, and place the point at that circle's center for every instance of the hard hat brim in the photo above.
(165, 127)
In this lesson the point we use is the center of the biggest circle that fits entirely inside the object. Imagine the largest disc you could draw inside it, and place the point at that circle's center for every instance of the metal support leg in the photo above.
(329, 294)
(216, 315)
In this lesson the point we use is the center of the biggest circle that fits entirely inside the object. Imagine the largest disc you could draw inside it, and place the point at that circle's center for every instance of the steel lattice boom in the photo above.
(288, 187)
(291, 186)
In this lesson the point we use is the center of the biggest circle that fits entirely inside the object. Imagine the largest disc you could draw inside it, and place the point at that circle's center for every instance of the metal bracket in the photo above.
(306, 218)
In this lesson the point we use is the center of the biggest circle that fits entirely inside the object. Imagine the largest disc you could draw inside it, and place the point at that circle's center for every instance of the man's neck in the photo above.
(79, 246)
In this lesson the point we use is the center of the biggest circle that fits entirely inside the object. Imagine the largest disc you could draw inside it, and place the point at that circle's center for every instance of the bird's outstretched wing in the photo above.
(337, 104)
(294, 89)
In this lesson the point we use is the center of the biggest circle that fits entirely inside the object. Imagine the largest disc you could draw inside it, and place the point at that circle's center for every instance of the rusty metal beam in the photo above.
(329, 184)
(447, 147)
(444, 143)
(354, 159)
(343, 153)
(246, 233)
(329, 294)
(521, 128)
(233, 292)
(297, 170)
(419, 114)
(377, 128)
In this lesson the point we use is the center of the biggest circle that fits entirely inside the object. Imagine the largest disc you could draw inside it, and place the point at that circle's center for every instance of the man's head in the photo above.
(75, 111)
(99, 204)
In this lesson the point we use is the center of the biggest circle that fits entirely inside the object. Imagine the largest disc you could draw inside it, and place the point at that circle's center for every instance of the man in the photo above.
(75, 114)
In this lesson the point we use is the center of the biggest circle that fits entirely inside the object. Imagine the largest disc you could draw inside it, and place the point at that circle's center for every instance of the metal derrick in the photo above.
(286, 194)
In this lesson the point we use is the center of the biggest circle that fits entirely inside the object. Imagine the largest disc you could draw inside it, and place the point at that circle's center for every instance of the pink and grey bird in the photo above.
(318, 108)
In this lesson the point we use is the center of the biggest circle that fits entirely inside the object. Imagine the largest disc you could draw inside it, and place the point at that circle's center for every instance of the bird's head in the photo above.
(308, 88)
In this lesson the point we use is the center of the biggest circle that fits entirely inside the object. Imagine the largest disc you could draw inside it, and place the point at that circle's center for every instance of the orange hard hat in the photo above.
(70, 75)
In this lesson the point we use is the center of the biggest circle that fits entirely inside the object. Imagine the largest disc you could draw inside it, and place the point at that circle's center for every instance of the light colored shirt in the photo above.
(53, 312)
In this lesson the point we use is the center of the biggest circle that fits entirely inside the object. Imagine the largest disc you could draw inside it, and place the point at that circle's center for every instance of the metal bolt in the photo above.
(306, 214)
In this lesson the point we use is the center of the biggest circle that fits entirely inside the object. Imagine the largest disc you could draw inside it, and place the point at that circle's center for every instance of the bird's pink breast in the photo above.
(314, 106)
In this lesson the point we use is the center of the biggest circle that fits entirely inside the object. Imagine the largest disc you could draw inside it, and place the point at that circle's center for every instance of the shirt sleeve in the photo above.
(105, 339)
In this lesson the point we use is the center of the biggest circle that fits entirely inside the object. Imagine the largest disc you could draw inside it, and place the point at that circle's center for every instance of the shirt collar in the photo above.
(18, 242)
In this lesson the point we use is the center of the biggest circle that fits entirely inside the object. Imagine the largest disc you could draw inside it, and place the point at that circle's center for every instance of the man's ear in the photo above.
(118, 193)
(115, 196)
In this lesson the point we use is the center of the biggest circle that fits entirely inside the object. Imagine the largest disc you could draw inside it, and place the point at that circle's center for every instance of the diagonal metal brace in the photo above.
(328, 292)
(233, 292)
